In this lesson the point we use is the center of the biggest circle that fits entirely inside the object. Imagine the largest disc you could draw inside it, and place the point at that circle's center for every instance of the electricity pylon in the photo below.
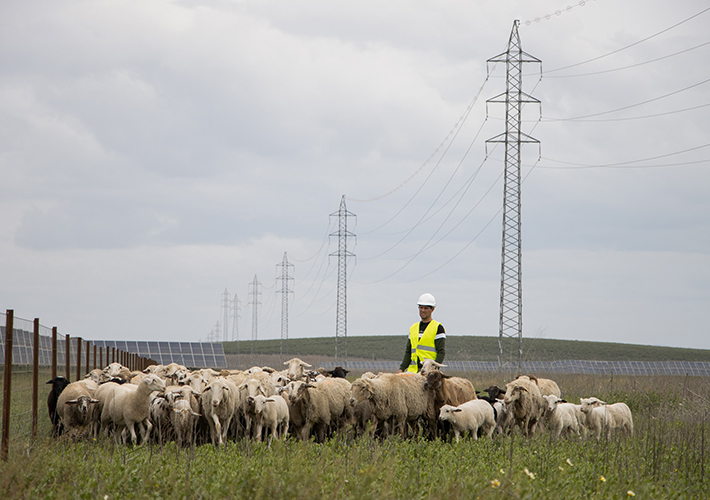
(341, 313)
(284, 302)
(510, 337)
(255, 312)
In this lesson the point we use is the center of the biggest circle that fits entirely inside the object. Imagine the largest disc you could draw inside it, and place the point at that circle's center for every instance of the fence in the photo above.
(29, 350)
(588, 367)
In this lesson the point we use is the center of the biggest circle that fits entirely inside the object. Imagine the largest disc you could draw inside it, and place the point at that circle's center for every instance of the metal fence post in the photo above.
(35, 379)
(88, 356)
(54, 352)
(7, 385)
(67, 341)
(78, 358)
(94, 356)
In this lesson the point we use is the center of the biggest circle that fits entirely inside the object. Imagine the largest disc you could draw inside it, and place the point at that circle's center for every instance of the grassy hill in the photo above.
(468, 348)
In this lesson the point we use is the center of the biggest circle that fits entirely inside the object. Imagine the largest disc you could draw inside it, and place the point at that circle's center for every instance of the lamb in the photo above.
(295, 368)
(560, 416)
(524, 401)
(272, 413)
(75, 406)
(58, 385)
(601, 416)
(184, 421)
(447, 390)
(117, 370)
(131, 406)
(258, 383)
(469, 417)
(337, 372)
(219, 404)
(495, 392)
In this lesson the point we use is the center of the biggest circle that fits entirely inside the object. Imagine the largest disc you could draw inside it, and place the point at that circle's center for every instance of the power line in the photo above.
(576, 118)
(630, 45)
(627, 164)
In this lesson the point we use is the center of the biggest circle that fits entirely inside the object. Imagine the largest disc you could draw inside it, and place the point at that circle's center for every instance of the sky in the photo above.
(155, 155)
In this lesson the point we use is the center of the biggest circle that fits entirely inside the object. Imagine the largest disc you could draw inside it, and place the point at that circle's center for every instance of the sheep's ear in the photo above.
(308, 385)
(561, 401)
(195, 414)
(72, 402)
(94, 401)
(456, 410)
(269, 400)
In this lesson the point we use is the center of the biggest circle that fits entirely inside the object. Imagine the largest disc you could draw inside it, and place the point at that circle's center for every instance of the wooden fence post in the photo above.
(35, 379)
(88, 357)
(94, 356)
(7, 385)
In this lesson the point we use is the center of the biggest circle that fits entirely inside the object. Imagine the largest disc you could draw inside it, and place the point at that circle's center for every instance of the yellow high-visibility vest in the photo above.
(423, 348)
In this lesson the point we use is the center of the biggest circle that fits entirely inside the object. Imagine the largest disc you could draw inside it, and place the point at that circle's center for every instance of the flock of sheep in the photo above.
(170, 402)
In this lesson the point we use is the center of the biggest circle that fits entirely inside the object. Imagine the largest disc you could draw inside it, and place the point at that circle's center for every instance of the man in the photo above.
(427, 339)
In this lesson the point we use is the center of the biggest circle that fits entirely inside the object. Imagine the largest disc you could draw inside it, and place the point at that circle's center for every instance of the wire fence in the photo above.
(30, 352)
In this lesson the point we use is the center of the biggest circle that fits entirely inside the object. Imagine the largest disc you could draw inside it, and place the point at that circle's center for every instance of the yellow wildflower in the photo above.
(631, 493)
(495, 483)
(530, 474)
(602, 479)
(569, 462)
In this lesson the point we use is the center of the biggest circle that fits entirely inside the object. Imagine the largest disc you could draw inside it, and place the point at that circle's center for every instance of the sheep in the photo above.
(309, 410)
(400, 397)
(495, 392)
(469, 417)
(272, 413)
(428, 366)
(257, 383)
(117, 370)
(601, 416)
(560, 416)
(295, 368)
(58, 385)
(184, 421)
(446, 390)
(547, 386)
(75, 406)
(98, 376)
(219, 404)
(338, 392)
(280, 378)
(131, 406)
(159, 412)
(524, 401)
(337, 372)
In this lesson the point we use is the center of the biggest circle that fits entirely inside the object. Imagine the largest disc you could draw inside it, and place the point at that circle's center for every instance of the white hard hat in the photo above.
(427, 299)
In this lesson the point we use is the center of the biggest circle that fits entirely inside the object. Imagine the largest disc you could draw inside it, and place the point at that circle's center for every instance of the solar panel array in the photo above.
(190, 354)
(694, 368)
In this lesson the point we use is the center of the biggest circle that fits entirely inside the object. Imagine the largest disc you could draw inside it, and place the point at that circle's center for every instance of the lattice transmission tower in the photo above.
(254, 293)
(225, 315)
(510, 337)
(341, 313)
(235, 320)
(285, 278)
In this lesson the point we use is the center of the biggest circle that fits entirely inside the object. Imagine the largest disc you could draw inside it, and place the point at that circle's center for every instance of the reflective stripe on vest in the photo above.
(425, 347)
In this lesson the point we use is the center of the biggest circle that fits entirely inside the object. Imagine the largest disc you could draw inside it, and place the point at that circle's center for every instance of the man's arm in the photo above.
(440, 344)
(407, 357)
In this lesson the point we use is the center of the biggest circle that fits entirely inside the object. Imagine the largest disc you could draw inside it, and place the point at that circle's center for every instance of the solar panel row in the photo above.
(191, 354)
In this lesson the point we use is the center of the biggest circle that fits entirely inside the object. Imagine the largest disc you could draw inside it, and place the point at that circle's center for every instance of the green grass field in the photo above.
(469, 348)
(666, 458)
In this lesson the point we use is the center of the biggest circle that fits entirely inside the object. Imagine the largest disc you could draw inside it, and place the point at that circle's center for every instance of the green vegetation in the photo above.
(666, 458)
(468, 348)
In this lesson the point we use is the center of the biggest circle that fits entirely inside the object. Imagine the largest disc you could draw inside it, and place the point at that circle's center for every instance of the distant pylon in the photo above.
(255, 311)
(225, 315)
(510, 336)
(341, 313)
(284, 302)
(235, 321)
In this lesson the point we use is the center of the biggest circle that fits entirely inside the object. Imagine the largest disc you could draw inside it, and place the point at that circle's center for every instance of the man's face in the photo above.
(425, 312)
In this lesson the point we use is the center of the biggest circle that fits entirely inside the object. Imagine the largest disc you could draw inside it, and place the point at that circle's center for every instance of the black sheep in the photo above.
(58, 385)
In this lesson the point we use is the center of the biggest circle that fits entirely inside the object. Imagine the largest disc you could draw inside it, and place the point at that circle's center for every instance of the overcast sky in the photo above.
(156, 153)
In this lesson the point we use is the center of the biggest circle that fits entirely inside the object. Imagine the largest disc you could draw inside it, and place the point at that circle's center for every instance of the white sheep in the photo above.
(561, 416)
(131, 405)
(219, 403)
(184, 420)
(295, 368)
(525, 403)
(469, 417)
(428, 366)
(613, 416)
(272, 413)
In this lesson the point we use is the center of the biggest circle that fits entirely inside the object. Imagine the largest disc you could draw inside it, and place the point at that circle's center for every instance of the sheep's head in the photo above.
(82, 403)
(435, 381)
(590, 403)
(513, 393)
(430, 366)
(447, 412)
